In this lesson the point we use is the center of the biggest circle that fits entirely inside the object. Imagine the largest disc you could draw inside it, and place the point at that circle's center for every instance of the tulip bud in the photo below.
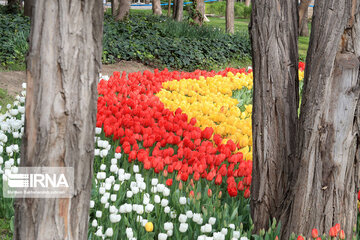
(342, 234)
(180, 185)
(191, 194)
(198, 196)
(209, 193)
(165, 173)
(220, 194)
(314, 233)
(178, 177)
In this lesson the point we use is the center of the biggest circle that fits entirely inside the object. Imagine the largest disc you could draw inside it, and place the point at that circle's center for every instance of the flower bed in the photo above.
(172, 158)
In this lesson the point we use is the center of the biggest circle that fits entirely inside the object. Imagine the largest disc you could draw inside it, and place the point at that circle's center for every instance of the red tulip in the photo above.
(300, 238)
(333, 232)
(169, 182)
(314, 233)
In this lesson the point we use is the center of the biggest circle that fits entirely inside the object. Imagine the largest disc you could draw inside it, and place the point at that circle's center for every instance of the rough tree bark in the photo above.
(120, 9)
(273, 29)
(230, 16)
(178, 10)
(328, 178)
(200, 12)
(156, 7)
(28, 7)
(303, 17)
(62, 70)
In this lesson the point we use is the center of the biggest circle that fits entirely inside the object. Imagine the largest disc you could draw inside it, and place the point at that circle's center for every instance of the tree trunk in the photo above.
(328, 179)
(230, 16)
(303, 17)
(200, 12)
(247, 3)
(169, 8)
(156, 7)
(114, 7)
(123, 10)
(273, 29)
(28, 7)
(178, 10)
(62, 71)
(303, 25)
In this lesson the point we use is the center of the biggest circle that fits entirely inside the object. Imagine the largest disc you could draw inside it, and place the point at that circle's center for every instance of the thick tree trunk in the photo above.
(123, 10)
(247, 3)
(230, 16)
(156, 7)
(273, 30)
(28, 7)
(62, 71)
(328, 178)
(200, 12)
(169, 8)
(178, 10)
(303, 17)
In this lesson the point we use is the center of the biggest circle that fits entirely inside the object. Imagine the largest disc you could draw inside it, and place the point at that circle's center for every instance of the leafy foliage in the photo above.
(14, 31)
(147, 38)
(171, 44)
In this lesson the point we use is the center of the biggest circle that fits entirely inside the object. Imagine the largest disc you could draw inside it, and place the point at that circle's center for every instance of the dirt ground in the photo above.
(11, 81)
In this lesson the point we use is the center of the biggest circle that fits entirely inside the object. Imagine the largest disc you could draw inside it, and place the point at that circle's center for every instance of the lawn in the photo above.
(5, 99)
(241, 25)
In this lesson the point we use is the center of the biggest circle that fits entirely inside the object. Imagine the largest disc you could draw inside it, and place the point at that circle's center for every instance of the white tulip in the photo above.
(94, 223)
(183, 227)
(157, 199)
(182, 200)
(164, 202)
(109, 232)
(182, 218)
(162, 236)
(98, 214)
(212, 220)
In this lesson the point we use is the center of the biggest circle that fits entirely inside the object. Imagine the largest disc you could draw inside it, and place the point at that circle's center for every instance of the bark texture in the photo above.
(28, 7)
(273, 29)
(178, 10)
(156, 7)
(328, 150)
(230, 16)
(199, 12)
(303, 17)
(62, 70)
(122, 10)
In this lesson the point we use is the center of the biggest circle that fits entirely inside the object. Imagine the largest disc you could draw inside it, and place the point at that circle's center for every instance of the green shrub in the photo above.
(219, 9)
(14, 31)
(147, 38)
(171, 44)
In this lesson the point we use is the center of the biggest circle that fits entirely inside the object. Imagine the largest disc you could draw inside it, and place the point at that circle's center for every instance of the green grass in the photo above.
(5, 99)
(5, 232)
(242, 25)
(239, 24)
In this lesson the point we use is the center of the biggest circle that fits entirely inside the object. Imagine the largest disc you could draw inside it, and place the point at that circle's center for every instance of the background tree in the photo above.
(169, 8)
(28, 7)
(156, 7)
(62, 72)
(178, 10)
(199, 12)
(306, 170)
(247, 2)
(229, 16)
(120, 9)
(303, 17)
